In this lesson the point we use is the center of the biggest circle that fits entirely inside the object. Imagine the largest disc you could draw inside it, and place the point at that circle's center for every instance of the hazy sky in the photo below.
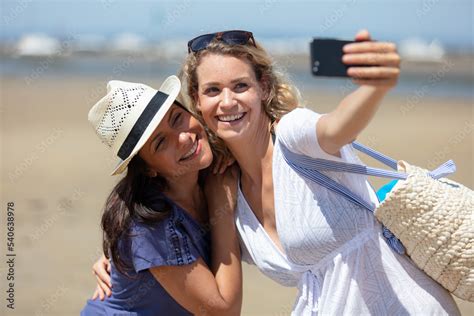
(451, 21)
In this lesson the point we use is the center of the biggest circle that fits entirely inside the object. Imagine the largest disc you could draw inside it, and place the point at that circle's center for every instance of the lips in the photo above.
(230, 117)
(192, 151)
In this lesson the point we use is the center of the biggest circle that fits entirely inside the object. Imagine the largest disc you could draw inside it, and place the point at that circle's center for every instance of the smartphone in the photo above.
(326, 57)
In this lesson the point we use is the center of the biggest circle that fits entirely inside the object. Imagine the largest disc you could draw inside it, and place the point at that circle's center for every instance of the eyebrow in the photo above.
(232, 81)
(240, 79)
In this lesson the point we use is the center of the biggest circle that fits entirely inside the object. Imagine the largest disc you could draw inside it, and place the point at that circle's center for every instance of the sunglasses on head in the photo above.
(235, 37)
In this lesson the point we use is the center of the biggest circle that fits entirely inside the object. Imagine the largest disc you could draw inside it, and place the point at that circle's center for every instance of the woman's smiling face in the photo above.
(178, 146)
(229, 95)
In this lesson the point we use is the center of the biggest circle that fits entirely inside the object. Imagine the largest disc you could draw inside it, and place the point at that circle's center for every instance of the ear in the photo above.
(151, 173)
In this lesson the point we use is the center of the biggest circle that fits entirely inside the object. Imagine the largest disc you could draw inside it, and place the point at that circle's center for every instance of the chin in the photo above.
(228, 136)
(202, 161)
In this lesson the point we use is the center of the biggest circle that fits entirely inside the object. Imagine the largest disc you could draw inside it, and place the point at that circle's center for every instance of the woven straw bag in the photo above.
(434, 220)
(431, 216)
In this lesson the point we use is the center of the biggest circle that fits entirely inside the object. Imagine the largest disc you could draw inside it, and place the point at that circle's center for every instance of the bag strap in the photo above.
(386, 160)
(443, 170)
(323, 164)
(309, 168)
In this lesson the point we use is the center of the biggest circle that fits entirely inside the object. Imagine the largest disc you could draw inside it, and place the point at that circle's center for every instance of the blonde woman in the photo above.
(297, 232)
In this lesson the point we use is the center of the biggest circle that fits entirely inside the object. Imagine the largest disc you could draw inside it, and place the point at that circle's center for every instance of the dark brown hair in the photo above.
(128, 202)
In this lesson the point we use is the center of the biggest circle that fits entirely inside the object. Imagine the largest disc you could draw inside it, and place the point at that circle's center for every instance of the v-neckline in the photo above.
(255, 219)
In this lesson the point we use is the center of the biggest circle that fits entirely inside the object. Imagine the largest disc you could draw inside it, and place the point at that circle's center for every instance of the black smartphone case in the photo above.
(326, 57)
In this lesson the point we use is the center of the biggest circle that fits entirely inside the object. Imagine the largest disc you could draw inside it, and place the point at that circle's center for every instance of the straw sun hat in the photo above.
(128, 114)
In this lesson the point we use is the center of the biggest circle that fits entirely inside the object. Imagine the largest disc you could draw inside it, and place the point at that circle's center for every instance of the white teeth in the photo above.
(191, 151)
(230, 118)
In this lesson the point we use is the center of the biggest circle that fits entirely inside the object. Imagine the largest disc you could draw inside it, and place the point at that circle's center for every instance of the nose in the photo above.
(228, 100)
(185, 138)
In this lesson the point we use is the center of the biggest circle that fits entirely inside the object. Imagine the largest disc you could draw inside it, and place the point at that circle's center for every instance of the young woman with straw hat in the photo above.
(157, 229)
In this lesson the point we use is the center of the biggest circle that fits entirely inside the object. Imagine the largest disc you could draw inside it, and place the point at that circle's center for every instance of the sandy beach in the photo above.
(56, 172)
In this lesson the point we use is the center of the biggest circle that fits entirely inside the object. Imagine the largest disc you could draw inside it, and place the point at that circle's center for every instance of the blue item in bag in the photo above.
(383, 191)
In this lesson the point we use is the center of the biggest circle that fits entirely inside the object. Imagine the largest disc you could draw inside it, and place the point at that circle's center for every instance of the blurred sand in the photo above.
(57, 173)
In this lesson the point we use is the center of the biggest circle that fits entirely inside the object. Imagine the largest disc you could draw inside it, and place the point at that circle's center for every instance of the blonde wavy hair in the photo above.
(282, 98)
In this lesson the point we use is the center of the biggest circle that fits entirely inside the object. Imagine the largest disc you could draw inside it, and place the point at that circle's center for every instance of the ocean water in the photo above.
(441, 85)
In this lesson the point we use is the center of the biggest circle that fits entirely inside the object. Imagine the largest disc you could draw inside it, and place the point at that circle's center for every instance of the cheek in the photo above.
(206, 108)
(163, 162)
(255, 103)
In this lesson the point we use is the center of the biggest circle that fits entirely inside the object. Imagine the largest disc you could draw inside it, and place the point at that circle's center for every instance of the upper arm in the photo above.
(324, 137)
(301, 131)
(194, 287)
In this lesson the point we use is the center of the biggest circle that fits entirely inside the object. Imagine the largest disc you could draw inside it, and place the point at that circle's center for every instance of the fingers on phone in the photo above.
(390, 59)
(375, 47)
(362, 35)
(373, 72)
(376, 82)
